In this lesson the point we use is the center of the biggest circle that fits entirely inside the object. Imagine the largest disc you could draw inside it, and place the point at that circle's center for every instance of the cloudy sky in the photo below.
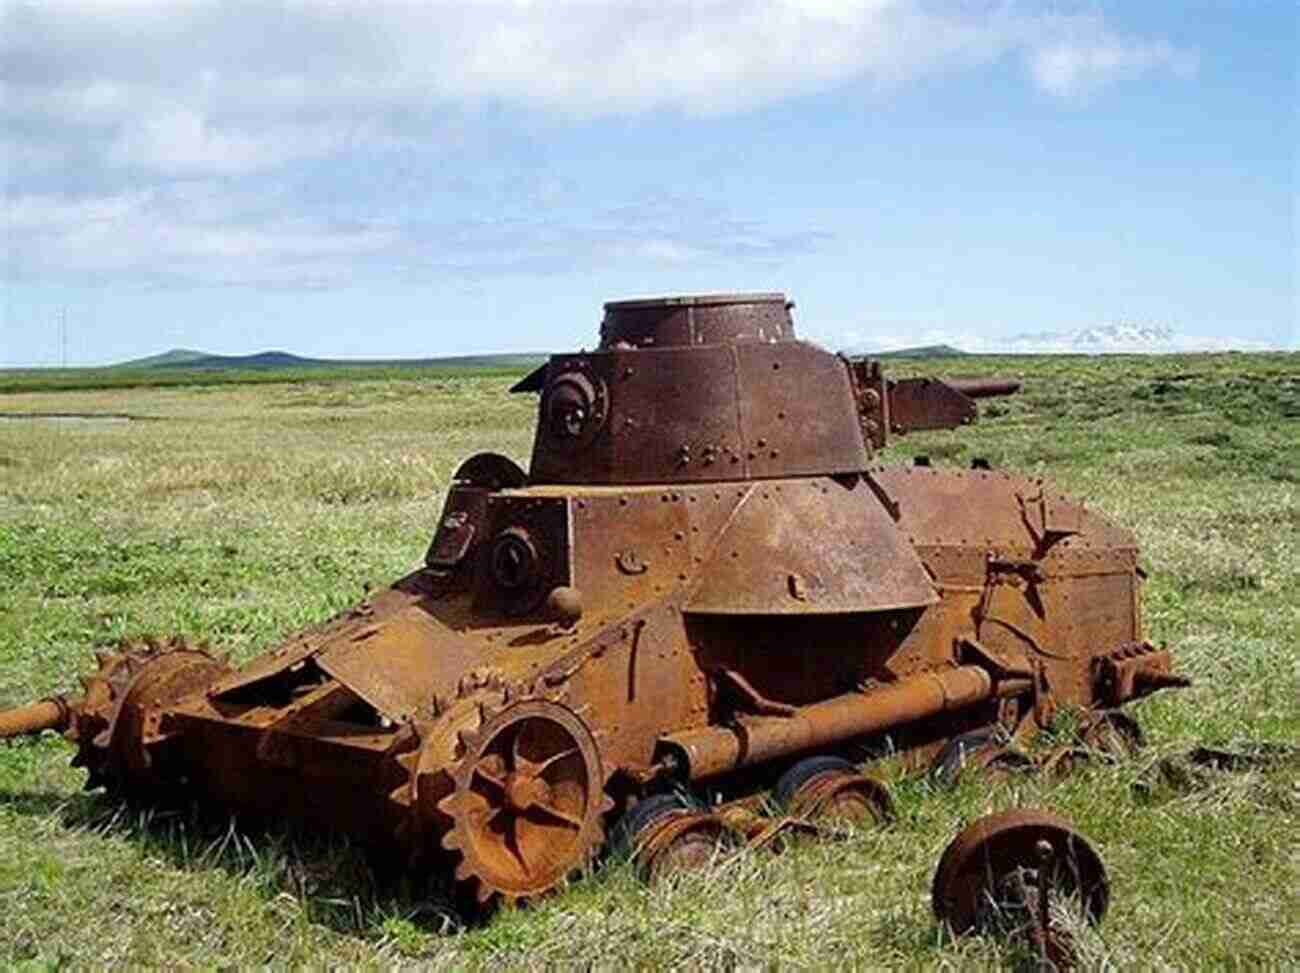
(385, 179)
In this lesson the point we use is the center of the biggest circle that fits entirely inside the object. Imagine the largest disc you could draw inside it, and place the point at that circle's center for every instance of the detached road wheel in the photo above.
(992, 871)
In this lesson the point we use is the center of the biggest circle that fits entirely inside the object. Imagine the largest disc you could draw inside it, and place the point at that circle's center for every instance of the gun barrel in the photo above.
(984, 388)
(48, 714)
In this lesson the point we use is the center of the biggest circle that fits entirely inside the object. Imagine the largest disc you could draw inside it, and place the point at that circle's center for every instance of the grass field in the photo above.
(248, 510)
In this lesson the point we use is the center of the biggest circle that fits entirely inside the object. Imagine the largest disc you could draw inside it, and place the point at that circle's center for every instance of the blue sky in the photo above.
(387, 179)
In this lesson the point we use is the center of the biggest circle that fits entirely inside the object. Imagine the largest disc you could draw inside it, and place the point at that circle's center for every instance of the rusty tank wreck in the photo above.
(704, 581)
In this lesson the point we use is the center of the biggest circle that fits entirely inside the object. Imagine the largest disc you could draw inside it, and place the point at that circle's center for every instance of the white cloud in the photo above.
(183, 233)
(182, 140)
(1067, 69)
(208, 231)
(220, 86)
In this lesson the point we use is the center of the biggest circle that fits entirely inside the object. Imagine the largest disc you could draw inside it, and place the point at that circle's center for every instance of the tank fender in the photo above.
(348, 626)
(815, 546)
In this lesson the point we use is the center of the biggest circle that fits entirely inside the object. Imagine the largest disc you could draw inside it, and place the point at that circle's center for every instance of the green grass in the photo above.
(249, 510)
(185, 375)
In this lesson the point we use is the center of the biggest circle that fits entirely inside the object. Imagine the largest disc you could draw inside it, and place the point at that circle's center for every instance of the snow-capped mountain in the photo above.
(1100, 339)
(1122, 337)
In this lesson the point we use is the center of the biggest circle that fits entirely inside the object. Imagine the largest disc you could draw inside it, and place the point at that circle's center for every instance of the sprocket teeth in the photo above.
(401, 795)
(449, 805)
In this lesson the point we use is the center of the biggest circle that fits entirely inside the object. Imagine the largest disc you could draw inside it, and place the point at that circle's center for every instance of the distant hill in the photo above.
(188, 360)
(176, 356)
(924, 351)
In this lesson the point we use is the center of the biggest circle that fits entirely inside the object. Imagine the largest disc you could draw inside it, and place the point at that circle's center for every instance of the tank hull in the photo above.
(941, 570)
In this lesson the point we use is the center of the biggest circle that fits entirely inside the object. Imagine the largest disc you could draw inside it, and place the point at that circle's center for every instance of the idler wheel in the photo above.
(996, 873)
(831, 788)
(528, 800)
(117, 726)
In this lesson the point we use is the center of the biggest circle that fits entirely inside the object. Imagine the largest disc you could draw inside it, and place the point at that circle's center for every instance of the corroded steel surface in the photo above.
(1002, 871)
(680, 841)
(47, 714)
(712, 750)
(843, 796)
(708, 319)
(700, 578)
(528, 801)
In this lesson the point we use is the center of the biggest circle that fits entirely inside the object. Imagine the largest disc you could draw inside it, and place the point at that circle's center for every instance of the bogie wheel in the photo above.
(992, 874)
(803, 770)
(669, 833)
(831, 788)
(632, 826)
(528, 801)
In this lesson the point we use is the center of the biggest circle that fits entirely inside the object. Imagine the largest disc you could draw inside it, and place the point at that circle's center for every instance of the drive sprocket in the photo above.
(527, 799)
(117, 723)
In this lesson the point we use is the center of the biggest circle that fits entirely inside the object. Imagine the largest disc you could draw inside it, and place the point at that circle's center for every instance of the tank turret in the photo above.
(719, 388)
(703, 581)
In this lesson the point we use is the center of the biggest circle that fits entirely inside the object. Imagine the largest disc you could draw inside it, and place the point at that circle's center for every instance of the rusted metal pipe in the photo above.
(53, 713)
(984, 388)
(712, 750)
